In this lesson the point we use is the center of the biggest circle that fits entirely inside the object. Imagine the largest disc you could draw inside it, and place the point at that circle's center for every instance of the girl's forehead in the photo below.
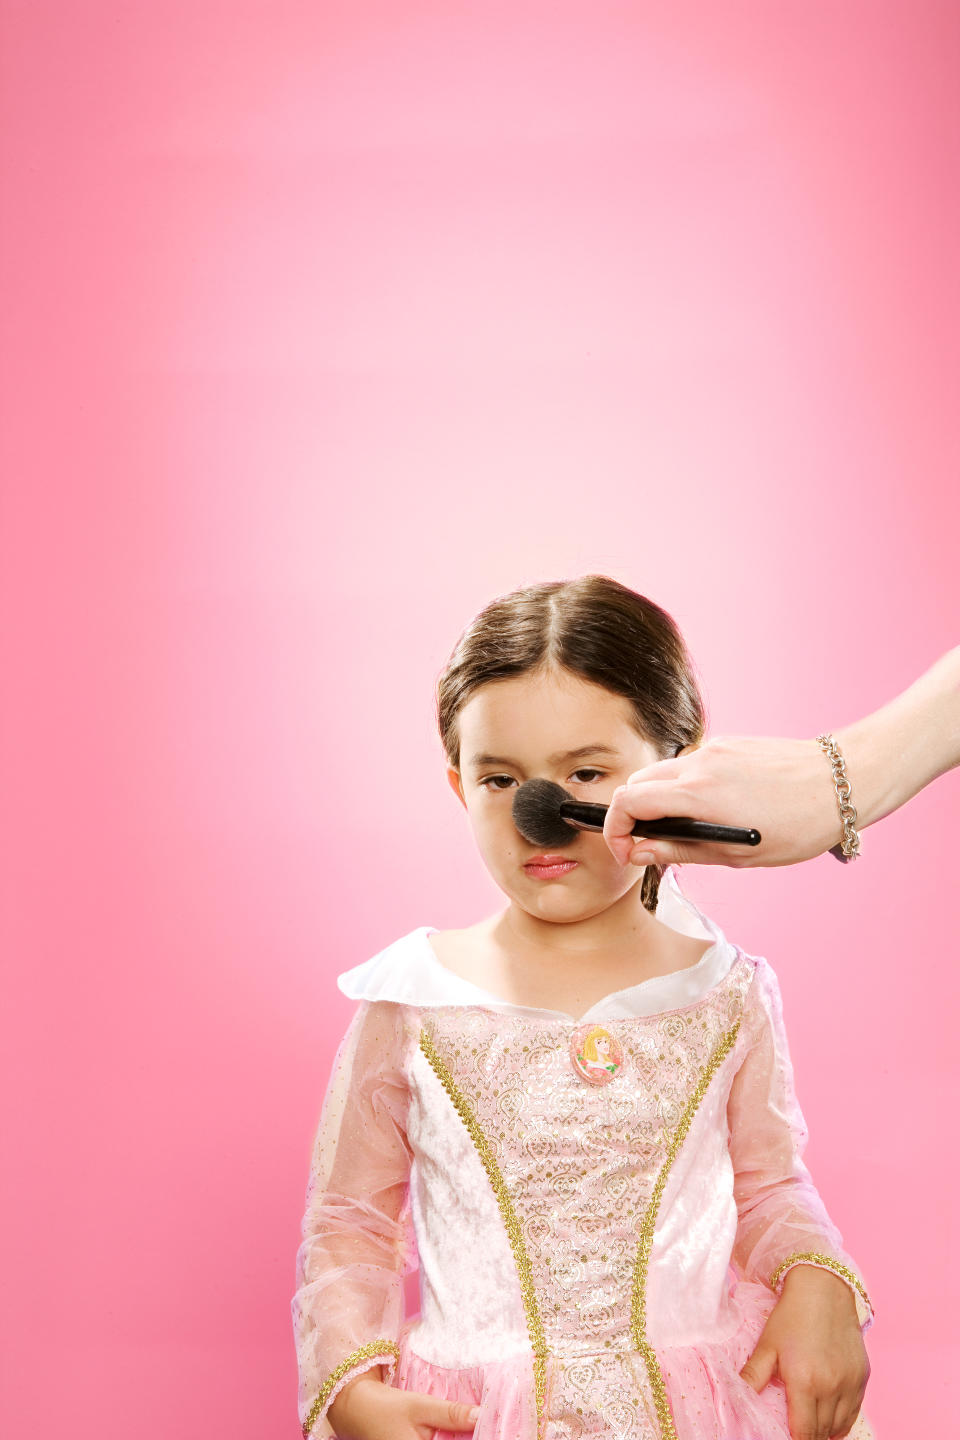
(508, 719)
(526, 701)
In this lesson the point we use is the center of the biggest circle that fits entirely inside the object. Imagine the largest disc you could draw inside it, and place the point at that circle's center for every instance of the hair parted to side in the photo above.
(598, 629)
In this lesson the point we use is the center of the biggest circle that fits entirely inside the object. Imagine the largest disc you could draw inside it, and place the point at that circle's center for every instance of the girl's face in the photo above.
(512, 730)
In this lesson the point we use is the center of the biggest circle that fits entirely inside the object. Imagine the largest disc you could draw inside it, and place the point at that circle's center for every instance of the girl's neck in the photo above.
(626, 928)
(568, 967)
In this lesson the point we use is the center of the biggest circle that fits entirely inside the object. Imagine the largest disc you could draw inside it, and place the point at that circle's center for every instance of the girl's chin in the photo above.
(549, 902)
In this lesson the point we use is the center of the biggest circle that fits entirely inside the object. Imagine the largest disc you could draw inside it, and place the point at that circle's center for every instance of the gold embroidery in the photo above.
(639, 1302)
(373, 1347)
(814, 1258)
(514, 1231)
(647, 1224)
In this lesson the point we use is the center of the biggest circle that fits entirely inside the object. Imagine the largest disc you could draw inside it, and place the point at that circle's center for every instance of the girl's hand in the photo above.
(367, 1409)
(783, 788)
(812, 1340)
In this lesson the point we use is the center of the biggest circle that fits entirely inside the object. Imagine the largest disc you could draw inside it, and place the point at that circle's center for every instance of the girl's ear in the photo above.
(453, 776)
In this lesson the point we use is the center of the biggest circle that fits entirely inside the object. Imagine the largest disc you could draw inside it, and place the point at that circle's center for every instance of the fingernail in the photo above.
(643, 858)
(474, 1414)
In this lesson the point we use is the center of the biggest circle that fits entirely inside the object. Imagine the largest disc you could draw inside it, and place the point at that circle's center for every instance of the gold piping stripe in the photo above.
(373, 1347)
(815, 1258)
(638, 1320)
(638, 1299)
(514, 1231)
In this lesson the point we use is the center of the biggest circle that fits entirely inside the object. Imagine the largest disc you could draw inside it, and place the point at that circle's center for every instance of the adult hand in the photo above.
(783, 788)
(367, 1409)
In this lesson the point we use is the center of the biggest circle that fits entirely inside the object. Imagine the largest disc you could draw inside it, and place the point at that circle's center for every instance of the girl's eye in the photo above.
(485, 783)
(491, 779)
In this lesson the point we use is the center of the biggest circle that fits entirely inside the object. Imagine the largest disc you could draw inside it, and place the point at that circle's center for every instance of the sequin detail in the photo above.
(647, 1226)
(373, 1347)
(813, 1257)
(580, 1213)
(514, 1231)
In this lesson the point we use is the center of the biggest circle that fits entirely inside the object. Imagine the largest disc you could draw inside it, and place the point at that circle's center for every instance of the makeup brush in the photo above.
(547, 814)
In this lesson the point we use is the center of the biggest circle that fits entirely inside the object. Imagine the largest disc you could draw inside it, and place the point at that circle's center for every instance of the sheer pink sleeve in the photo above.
(782, 1220)
(358, 1242)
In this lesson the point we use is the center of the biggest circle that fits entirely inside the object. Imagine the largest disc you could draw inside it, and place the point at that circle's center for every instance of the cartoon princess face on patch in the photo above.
(595, 1054)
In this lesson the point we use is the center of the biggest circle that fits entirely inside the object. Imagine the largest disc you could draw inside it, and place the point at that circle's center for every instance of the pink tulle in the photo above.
(708, 1398)
(503, 1391)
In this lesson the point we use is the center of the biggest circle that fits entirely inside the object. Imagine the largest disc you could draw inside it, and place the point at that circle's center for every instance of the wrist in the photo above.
(338, 1411)
(806, 1280)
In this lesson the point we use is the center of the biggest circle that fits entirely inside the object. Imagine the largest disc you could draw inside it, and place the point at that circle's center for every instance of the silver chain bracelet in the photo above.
(849, 847)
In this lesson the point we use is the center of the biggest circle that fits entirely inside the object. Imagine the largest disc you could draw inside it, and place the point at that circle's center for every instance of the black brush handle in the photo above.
(671, 827)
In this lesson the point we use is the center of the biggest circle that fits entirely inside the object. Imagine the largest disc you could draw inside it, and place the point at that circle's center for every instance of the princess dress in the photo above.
(603, 1209)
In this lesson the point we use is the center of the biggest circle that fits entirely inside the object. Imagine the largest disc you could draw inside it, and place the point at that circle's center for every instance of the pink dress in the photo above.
(602, 1209)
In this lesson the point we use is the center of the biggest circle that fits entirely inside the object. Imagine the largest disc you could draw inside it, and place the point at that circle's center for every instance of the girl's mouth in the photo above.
(551, 870)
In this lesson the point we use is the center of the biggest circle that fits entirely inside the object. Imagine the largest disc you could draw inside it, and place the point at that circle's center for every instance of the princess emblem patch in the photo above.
(595, 1054)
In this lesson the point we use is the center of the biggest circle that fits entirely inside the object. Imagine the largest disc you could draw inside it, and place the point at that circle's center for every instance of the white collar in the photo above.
(409, 971)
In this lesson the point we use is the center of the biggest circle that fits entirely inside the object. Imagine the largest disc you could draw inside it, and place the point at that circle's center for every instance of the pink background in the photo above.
(323, 324)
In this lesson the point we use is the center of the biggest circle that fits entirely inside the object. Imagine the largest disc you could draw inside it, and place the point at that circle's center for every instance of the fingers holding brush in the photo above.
(638, 801)
(780, 786)
(642, 798)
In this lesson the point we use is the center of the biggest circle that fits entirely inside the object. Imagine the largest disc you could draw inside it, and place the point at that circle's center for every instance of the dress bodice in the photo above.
(584, 1197)
(597, 1225)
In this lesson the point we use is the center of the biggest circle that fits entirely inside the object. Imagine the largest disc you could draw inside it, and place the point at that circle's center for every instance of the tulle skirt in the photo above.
(609, 1393)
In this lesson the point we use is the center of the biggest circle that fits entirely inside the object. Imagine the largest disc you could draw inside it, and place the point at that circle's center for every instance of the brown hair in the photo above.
(598, 629)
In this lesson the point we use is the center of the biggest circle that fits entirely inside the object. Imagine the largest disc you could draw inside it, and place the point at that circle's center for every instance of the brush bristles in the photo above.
(536, 813)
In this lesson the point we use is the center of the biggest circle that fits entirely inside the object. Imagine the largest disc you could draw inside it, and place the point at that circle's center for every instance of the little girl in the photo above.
(577, 1116)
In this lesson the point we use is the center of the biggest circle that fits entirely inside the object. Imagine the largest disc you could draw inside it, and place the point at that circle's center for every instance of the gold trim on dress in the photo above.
(638, 1321)
(372, 1347)
(514, 1231)
(515, 1234)
(813, 1257)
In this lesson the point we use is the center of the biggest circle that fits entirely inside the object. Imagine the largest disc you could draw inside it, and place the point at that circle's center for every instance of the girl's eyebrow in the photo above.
(480, 760)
